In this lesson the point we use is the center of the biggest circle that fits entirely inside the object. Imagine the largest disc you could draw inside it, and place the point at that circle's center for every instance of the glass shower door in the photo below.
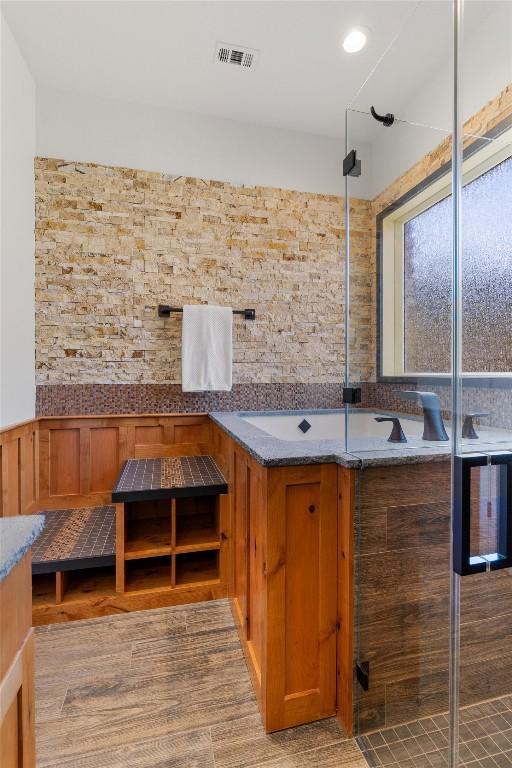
(402, 514)
(482, 463)
(398, 343)
(433, 583)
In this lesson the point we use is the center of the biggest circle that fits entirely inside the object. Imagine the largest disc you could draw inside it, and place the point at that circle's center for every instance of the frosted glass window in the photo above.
(486, 279)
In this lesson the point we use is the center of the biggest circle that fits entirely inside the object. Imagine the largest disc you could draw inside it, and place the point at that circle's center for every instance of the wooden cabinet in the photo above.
(17, 734)
(301, 578)
(289, 566)
(248, 490)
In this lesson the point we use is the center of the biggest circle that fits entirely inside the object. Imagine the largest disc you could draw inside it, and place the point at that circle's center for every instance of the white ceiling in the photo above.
(161, 53)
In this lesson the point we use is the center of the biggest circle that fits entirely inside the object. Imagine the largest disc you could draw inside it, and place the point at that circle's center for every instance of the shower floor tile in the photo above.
(485, 740)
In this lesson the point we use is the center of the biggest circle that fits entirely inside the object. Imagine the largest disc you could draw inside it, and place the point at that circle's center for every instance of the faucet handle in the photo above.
(468, 428)
(397, 433)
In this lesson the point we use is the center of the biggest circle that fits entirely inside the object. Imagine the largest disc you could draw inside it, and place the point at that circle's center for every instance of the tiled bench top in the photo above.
(75, 538)
(169, 477)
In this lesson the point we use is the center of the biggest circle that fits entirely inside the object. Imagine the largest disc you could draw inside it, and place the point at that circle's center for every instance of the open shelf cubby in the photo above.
(148, 529)
(148, 573)
(196, 567)
(43, 589)
(197, 523)
(70, 586)
(81, 584)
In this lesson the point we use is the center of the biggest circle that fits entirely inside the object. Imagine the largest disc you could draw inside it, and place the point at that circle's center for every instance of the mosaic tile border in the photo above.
(93, 399)
(98, 399)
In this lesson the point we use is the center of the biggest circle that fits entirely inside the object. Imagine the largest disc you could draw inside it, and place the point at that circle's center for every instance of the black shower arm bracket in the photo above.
(387, 119)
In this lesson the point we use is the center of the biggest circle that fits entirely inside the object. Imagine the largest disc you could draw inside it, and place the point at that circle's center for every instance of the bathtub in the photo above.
(362, 427)
(330, 425)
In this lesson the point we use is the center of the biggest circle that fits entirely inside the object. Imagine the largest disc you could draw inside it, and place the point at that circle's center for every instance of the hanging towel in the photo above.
(206, 348)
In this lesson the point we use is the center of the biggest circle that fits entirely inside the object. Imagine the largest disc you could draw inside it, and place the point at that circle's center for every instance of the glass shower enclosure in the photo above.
(428, 220)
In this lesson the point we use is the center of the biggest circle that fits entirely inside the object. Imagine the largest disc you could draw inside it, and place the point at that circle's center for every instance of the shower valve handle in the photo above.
(468, 428)
(397, 433)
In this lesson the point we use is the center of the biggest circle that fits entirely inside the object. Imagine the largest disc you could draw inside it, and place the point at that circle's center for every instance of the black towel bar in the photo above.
(165, 311)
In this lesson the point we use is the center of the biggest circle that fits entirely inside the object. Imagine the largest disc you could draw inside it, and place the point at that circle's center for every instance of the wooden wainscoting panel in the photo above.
(256, 592)
(149, 435)
(187, 434)
(191, 433)
(64, 447)
(104, 453)
(28, 470)
(19, 467)
(241, 546)
(17, 706)
(302, 521)
(79, 457)
(11, 477)
(9, 730)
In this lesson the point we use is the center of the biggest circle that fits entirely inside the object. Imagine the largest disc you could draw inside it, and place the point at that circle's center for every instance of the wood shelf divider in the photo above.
(120, 546)
(173, 523)
(61, 584)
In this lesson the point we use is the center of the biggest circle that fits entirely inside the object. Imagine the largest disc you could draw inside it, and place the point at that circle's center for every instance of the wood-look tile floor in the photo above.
(163, 689)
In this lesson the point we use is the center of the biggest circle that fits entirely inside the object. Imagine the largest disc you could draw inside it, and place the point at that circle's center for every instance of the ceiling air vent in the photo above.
(245, 58)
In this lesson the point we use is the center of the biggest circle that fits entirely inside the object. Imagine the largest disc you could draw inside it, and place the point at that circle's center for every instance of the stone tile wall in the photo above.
(113, 243)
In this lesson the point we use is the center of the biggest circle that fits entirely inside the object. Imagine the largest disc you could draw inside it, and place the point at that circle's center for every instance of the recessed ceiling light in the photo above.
(355, 40)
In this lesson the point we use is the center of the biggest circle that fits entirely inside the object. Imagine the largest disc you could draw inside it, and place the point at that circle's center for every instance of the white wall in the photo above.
(486, 71)
(17, 346)
(75, 127)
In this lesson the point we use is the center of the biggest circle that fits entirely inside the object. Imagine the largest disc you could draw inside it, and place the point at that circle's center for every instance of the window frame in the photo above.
(479, 157)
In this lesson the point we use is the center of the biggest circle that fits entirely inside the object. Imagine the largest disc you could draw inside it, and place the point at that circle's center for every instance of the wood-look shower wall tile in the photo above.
(404, 485)
(403, 574)
(403, 601)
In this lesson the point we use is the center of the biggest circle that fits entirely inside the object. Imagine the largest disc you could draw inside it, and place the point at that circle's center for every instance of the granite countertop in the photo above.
(17, 534)
(274, 452)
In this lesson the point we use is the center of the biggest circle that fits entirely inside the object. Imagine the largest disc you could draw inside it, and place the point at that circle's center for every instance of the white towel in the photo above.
(206, 348)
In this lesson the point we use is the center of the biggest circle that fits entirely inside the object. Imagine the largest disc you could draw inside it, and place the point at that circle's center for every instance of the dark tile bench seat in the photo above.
(74, 539)
(169, 477)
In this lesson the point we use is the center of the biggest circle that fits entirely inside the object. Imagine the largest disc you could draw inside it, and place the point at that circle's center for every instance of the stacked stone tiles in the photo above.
(113, 243)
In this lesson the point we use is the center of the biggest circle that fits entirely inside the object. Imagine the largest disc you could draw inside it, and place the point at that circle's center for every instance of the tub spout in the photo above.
(433, 425)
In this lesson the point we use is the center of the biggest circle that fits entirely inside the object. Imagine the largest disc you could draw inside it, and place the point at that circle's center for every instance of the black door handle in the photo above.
(463, 563)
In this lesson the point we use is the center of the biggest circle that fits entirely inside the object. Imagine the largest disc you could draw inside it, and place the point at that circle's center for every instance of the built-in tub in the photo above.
(362, 426)
(329, 425)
